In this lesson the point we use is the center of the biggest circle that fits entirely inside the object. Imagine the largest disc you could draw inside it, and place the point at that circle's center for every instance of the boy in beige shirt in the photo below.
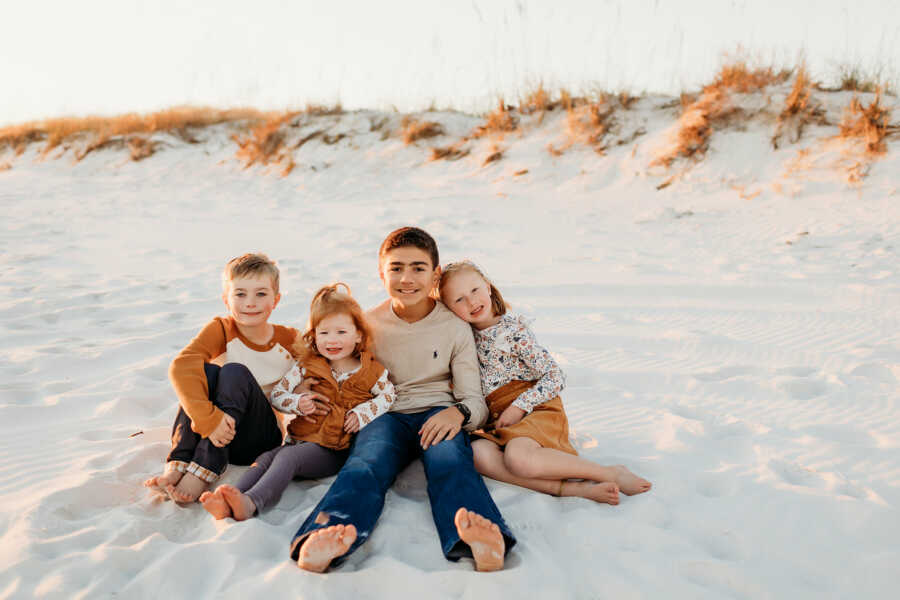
(430, 354)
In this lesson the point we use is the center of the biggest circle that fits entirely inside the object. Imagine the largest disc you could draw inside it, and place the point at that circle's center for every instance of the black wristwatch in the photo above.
(464, 410)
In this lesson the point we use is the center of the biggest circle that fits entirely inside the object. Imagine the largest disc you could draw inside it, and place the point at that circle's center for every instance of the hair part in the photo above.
(250, 265)
(448, 271)
(410, 236)
(330, 300)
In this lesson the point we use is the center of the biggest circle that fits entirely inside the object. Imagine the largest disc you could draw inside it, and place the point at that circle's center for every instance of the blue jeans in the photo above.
(381, 450)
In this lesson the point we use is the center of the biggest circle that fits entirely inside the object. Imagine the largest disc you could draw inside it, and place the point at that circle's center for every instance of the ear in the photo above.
(437, 274)
(225, 300)
(277, 300)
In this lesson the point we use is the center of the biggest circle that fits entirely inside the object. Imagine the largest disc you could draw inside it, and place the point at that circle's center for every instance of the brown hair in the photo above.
(250, 264)
(498, 305)
(326, 302)
(410, 236)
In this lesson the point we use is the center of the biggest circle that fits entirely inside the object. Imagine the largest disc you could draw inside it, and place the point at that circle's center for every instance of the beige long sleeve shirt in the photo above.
(431, 362)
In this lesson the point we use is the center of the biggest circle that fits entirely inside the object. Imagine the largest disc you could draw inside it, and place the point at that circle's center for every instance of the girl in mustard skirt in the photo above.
(526, 439)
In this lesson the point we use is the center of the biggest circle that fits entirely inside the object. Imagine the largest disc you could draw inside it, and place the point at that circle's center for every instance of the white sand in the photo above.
(741, 353)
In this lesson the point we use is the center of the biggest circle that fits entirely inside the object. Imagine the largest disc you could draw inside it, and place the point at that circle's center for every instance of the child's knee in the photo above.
(233, 372)
(519, 462)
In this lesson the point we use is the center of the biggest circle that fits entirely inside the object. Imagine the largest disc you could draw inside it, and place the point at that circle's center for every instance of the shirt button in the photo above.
(496, 415)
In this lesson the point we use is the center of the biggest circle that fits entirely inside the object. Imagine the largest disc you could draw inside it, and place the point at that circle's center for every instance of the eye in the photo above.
(240, 294)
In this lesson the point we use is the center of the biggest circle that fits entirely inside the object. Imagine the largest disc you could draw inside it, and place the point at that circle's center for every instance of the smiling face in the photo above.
(337, 336)
(250, 300)
(408, 275)
(468, 295)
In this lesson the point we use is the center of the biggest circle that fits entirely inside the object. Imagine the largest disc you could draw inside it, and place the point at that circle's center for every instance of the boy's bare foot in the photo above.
(324, 545)
(242, 507)
(605, 492)
(483, 537)
(160, 482)
(214, 503)
(629, 483)
(188, 489)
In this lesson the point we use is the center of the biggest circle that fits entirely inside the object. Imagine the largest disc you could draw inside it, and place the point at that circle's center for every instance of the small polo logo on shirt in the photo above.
(435, 353)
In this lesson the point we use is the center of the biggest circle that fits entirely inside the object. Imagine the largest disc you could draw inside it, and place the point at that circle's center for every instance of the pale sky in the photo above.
(113, 56)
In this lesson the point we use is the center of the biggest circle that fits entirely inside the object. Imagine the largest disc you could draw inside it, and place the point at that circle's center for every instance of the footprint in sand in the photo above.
(796, 474)
(727, 373)
(716, 485)
(800, 389)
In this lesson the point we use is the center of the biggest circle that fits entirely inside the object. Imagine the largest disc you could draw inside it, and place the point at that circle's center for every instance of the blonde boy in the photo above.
(224, 414)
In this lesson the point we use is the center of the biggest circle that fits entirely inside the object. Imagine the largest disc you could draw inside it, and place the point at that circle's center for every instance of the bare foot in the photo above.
(214, 503)
(188, 489)
(324, 545)
(605, 492)
(161, 481)
(242, 507)
(483, 537)
(629, 483)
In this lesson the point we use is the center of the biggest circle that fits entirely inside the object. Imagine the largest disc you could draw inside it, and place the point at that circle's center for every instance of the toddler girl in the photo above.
(352, 389)
(526, 439)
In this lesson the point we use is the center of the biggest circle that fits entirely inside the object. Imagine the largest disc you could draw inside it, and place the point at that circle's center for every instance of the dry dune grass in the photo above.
(742, 78)
(800, 109)
(587, 122)
(713, 109)
(119, 131)
(869, 124)
(499, 121)
(413, 129)
(265, 143)
(453, 152)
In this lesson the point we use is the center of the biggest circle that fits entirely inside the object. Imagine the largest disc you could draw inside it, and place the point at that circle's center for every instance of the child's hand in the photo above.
(305, 386)
(351, 422)
(224, 431)
(311, 405)
(440, 426)
(510, 416)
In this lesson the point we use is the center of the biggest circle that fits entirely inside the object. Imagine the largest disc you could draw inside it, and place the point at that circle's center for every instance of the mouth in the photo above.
(333, 351)
(408, 292)
(477, 312)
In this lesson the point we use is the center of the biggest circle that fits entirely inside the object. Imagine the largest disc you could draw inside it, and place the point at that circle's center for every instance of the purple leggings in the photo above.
(271, 472)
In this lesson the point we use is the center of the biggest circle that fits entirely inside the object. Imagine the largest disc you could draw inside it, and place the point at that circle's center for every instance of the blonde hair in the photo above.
(329, 300)
(250, 264)
(498, 305)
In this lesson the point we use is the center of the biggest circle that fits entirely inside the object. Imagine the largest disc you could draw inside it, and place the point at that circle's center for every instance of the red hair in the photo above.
(326, 302)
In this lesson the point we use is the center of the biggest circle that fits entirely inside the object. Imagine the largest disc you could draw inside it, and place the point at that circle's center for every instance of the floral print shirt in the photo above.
(283, 398)
(508, 351)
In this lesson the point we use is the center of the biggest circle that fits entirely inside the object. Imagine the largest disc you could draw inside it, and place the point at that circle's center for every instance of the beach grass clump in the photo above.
(800, 109)
(452, 152)
(869, 124)
(265, 143)
(714, 109)
(412, 129)
(499, 121)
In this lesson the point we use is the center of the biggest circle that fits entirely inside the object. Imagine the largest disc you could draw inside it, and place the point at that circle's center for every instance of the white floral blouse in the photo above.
(283, 398)
(509, 351)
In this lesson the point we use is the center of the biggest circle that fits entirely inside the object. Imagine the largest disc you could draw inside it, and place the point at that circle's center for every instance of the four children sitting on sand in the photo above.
(415, 390)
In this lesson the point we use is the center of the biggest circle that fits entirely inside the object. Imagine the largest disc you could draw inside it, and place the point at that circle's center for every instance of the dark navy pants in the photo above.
(233, 389)
(381, 450)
